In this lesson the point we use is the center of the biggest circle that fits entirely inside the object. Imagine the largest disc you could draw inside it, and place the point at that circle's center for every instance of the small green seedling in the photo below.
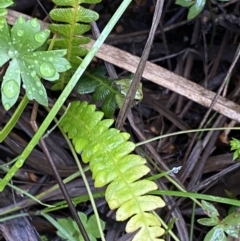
(230, 225)
(111, 92)
(26, 64)
(235, 145)
(72, 230)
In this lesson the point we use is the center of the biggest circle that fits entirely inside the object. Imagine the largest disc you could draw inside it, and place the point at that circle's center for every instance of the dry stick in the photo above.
(158, 75)
(138, 75)
(169, 80)
(57, 176)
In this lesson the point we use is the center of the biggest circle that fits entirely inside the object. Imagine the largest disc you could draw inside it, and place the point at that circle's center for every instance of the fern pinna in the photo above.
(73, 21)
(108, 152)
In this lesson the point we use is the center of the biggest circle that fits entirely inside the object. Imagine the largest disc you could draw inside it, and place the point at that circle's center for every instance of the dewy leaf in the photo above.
(3, 5)
(11, 85)
(48, 65)
(4, 43)
(30, 66)
(26, 36)
(33, 86)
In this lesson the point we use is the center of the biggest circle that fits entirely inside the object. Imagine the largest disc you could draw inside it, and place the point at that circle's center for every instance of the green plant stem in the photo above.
(60, 101)
(19, 215)
(27, 194)
(198, 196)
(192, 221)
(186, 132)
(14, 118)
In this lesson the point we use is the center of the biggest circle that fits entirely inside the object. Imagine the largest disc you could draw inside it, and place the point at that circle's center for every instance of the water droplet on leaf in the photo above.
(12, 53)
(10, 89)
(68, 66)
(40, 92)
(50, 59)
(20, 32)
(6, 106)
(19, 163)
(47, 70)
(38, 83)
(41, 36)
(21, 20)
(34, 22)
(33, 73)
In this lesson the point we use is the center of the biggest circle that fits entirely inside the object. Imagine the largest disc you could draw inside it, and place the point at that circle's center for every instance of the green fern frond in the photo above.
(107, 150)
(73, 21)
(111, 92)
(103, 88)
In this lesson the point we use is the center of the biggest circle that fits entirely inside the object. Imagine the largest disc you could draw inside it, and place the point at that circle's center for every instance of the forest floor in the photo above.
(201, 51)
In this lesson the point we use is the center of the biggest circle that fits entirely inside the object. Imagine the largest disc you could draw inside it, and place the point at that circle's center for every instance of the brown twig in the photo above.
(138, 74)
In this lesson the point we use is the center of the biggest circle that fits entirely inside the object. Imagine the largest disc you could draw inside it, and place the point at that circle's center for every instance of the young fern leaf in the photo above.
(73, 21)
(108, 152)
(111, 92)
